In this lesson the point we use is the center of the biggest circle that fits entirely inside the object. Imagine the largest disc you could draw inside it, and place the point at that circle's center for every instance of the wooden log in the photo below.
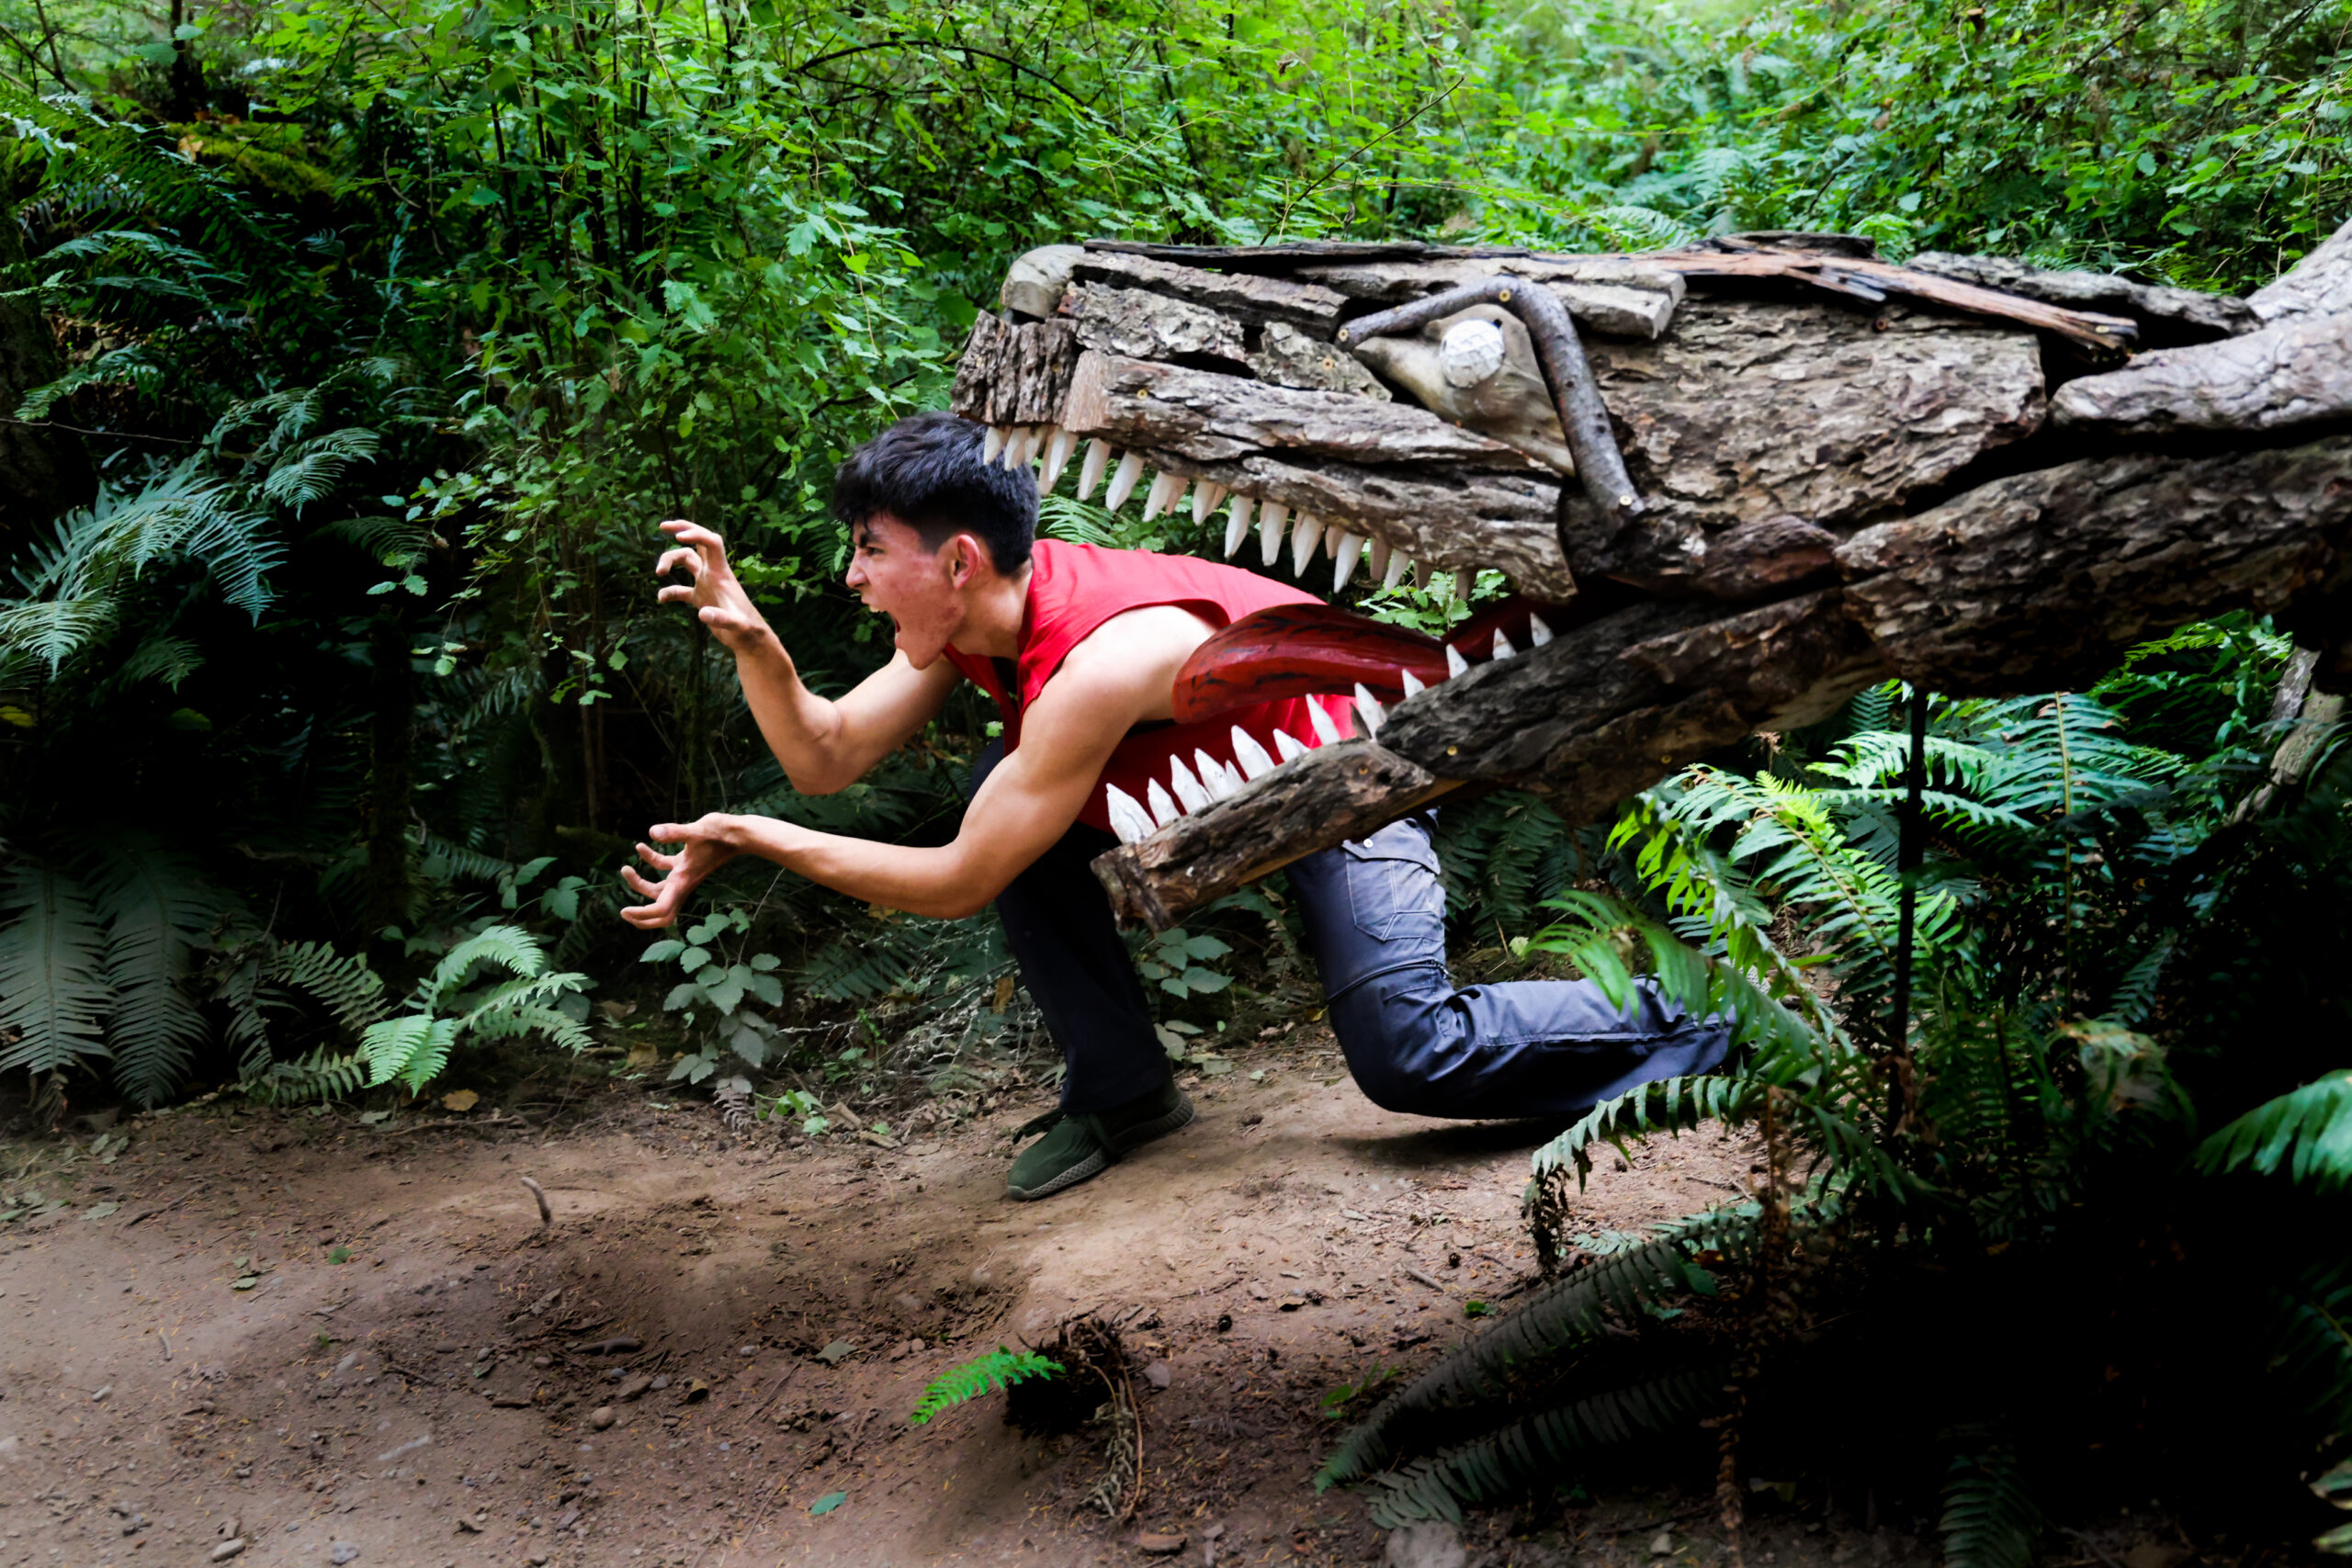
(1332, 794)
(1209, 417)
(1633, 301)
(2298, 371)
(1035, 282)
(1757, 429)
(1138, 324)
(2041, 579)
(1246, 297)
(2318, 284)
(2167, 317)
(1015, 375)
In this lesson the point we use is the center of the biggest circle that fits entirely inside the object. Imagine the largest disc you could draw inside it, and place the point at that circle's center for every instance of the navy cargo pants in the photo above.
(1376, 924)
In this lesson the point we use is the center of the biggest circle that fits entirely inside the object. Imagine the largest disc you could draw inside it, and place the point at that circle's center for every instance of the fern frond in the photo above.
(2314, 1354)
(1557, 1320)
(2307, 1132)
(54, 992)
(1542, 1446)
(1989, 1519)
(348, 988)
(413, 1048)
(510, 947)
(999, 1368)
(158, 912)
(315, 1076)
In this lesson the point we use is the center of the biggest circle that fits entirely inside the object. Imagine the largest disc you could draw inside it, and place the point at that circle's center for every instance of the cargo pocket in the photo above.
(1393, 888)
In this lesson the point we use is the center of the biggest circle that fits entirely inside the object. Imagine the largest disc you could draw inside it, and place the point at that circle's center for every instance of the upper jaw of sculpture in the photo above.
(1783, 405)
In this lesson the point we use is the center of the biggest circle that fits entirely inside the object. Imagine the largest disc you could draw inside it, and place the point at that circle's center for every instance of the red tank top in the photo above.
(1073, 589)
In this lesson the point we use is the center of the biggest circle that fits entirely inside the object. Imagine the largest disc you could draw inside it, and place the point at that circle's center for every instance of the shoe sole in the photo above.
(1097, 1162)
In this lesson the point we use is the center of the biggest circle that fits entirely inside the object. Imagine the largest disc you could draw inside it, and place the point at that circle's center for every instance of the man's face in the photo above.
(920, 590)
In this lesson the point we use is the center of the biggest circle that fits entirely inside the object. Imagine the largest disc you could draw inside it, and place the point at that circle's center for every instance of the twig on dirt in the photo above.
(145, 1214)
(165, 1338)
(547, 1215)
(1420, 1279)
(758, 1409)
(2090, 1545)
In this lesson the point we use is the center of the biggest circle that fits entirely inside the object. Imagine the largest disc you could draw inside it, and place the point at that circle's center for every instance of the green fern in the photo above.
(1000, 1368)
(319, 1076)
(54, 997)
(352, 991)
(2307, 1132)
(413, 1048)
(158, 912)
(1542, 1446)
(1989, 1518)
(2315, 1356)
(1557, 1321)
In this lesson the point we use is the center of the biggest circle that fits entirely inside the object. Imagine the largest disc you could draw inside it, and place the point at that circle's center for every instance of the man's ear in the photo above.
(966, 558)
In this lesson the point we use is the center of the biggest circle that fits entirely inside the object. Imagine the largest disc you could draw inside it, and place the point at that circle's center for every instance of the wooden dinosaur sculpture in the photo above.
(1807, 470)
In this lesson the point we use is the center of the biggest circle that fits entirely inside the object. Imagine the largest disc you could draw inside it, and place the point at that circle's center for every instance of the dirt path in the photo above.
(427, 1399)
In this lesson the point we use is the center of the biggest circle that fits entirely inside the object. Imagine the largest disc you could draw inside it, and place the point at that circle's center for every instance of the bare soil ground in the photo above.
(429, 1400)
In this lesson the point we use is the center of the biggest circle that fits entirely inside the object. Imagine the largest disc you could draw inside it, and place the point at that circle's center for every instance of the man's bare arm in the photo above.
(1119, 677)
(824, 745)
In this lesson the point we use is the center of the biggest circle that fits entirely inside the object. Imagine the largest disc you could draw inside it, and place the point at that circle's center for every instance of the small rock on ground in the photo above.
(342, 1552)
(228, 1549)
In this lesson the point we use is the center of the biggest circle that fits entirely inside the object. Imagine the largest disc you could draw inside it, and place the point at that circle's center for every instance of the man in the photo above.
(1081, 646)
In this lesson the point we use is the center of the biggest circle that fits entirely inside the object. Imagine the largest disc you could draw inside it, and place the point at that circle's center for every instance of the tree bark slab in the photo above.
(2044, 579)
(2318, 284)
(1333, 793)
(2298, 371)
(2167, 317)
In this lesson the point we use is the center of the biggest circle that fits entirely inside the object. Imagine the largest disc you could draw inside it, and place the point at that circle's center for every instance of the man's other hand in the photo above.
(718, 597)
(705, 844)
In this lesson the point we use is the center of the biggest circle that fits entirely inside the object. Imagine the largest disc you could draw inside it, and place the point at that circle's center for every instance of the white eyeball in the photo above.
(1470, 352)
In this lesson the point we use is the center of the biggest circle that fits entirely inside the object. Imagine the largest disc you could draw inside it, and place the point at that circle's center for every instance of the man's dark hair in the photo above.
(927, 471)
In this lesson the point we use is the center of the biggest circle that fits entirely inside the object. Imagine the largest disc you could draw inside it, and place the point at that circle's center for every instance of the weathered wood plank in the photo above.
(2298, 371)
(2167, 316)
(1138, 324)
(2318, 284)
(2044, 579)
(1606, 296)
(1332, 794)
(1755, 425)
(1015, 375)
(1244, 296)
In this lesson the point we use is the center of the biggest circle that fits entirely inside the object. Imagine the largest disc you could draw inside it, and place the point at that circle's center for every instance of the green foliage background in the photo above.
(391, 331)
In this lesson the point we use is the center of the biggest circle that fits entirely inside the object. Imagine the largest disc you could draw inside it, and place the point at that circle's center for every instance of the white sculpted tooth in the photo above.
(1503, 650)
(1236, 525)
(1411, 683)
(1327, 732)
(1538, 634)
(1215, 777)
(1303, 540)
(993, 444)
(1206, 496)
(1235, 782)
(1344, 560)
(1128, 818)
(1376, 557)
(1421, 575)
(1368, 709)
(1454, 664)
(1393, 572)
(1163, 809)
(1123, 481)
(1288, 745)
(1269, 531)
(1190, 795)
(1090, 472)
(1058, 447)
(1252, 757)
(1165, 492)
(1016, 444)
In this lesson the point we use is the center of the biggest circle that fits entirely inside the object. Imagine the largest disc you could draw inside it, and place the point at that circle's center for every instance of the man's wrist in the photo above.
(764, 647)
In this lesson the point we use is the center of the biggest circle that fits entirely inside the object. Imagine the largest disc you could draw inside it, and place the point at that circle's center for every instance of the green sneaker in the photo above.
(1086, 1144)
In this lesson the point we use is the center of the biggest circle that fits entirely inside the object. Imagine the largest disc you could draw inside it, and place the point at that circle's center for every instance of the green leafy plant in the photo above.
(719, 996)
(467, 1000)
(967, 1380)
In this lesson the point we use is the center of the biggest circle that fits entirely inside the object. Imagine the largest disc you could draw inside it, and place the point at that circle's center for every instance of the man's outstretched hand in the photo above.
(718, 597)
(705, 844)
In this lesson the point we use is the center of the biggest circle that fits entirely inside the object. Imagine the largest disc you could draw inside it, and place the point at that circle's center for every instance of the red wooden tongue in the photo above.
(1296, 650)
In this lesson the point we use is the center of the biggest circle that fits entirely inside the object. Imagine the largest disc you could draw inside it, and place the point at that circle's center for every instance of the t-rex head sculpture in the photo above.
(1749, 480)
